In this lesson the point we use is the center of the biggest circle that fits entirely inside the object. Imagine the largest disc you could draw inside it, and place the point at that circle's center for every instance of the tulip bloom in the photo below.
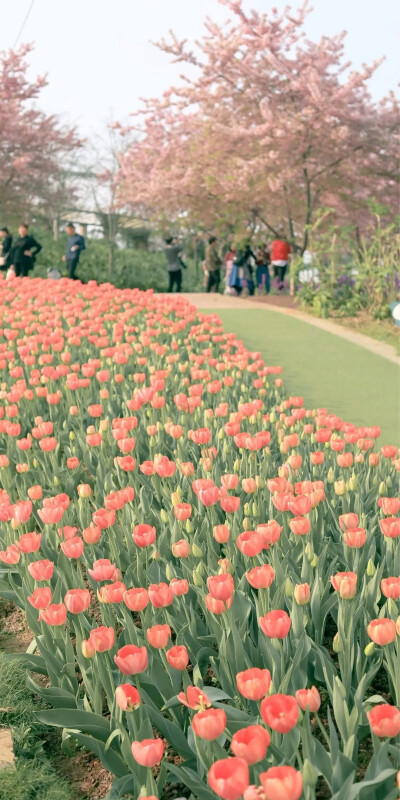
(102, 570)
(102, 638)
(251, 743)
(389, 505)
(382, 631)
(260, 577)
(209, 724)
(230, 504)
(282, 783)
(77, 600)
(178, 657)
(136, 599)
(158, 635)
(253, 683)
(40, 598)
(221, 587)
(11, 555)
(390, 587)
(229, 778)
(194, 698)
(160, 595)
(183, 511)
(179, 586)
(345, 583)
(275, 624)
(390, 527)
(127, 697)
(131, 660)
(73, 548)
(54, 614)
(384, 720)
(217, 606)
(347, 521)
(144, 535)
(148, 752)
(250, 543)
(300, 526)
(355, 537)
(280, 712)
(41, 570)
(308, 698)
(302, 594)
(29, 542)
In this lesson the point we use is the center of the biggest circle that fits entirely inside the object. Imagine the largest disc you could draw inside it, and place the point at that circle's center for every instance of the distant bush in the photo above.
(132, 268)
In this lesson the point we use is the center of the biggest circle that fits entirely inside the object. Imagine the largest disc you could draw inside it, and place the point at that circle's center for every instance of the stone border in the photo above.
(7, 759)
(222, 302)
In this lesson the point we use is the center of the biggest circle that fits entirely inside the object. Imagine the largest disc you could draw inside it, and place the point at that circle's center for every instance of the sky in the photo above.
(99, 59)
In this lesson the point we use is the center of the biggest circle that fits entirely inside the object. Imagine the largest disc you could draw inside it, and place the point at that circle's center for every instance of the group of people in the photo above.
(17, 257)
(245, 269)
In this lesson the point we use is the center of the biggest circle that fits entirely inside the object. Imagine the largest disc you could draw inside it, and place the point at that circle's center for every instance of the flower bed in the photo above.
(210, 570)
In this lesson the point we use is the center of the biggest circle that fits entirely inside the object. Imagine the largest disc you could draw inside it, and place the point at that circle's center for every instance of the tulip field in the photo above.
(210, 570)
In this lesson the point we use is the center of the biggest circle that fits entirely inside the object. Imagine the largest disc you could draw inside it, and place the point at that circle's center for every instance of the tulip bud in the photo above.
(221, 433)
(314, 562)
(197, 552)
(175, 498)
(310, 775)
(236, 465)
(197, 579)
(289, 588)
(340, 488)
(272, 416)
(35, 463)
(246, 524)
(87, 648)
(71, 436)
(189, 526)
(255, 510)
(330, 476)
(301, 594)
(246, 509)
(55, 480)
(260, 482)
(163, 515)
(370, 568)
(369, 649)
(353, 483)
(337, 644)
(382, 488)
(169, 572)
(309, 551)
(389, 482)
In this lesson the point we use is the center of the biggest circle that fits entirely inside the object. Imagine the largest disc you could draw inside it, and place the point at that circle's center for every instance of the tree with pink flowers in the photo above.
(33, 144)
(265, 128)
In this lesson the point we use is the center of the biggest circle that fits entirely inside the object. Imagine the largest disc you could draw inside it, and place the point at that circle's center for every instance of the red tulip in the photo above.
(221, 533)
(345, 583)
(384, 720)
(251, 743)
(112, 592)
(355, 537)
(250, 543)
(389, 505)
(158, 635)
(194, 698)
(308, 698)
(217, 606)
(144, 535)
(183, 511)
(275, 624)
(270, 532)
(40, 598)
(390, 587)
(302, 594)
(280, 712)
(390, 527)
(349, 520)
(300, 526)
(136, 599)
(131, 660)
(73, 548)
(181, 549)
(179, 587)
(127, 697)
(77, 600)
(102, 638)
(102, 570)
(41, 570)
(382, 631)
(209, 724)
(254, 683)
(261, 577)
(29, 542)
(54, 614)
(221, 587)
(300, 505)
(282, 783)
(11, 555)
(230, 504)
(178, 657)
(229, 778)
(148, 752)
(160, 595)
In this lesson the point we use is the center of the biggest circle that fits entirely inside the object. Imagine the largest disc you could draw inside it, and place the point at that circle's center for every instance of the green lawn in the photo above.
(327, 371)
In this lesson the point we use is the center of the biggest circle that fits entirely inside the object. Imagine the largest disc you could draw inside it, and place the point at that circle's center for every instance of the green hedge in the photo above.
(132, 268)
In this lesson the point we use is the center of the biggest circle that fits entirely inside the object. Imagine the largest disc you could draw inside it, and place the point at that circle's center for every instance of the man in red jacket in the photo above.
(280, 254)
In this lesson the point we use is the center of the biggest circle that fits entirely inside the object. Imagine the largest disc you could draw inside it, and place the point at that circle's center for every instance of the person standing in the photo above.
(213, 263)
(75, 246)
(262, 269)
(24, 252)
(280, 254)
(6, 247)
(172, 252)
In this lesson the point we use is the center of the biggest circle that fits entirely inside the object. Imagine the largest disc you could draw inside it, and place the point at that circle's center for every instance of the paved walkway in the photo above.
(220, 301)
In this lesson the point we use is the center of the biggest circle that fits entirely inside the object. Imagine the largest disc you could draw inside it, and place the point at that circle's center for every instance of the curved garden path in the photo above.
(220, 301)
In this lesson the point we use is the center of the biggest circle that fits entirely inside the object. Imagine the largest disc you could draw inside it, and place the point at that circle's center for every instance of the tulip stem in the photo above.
(323, 731)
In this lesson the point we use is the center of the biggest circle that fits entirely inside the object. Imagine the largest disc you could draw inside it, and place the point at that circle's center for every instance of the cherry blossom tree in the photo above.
(32, 144)
(265, 125)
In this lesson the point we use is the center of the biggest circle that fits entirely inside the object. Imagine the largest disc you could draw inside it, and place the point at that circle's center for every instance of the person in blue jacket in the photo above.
(75, 246)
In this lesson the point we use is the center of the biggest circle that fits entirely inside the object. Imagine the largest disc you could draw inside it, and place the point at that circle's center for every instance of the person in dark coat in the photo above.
(6, 246)
(24, 252)
(75, 246)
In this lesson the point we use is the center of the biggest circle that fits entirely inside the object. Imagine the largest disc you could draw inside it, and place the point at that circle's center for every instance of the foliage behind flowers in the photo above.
(210, 570)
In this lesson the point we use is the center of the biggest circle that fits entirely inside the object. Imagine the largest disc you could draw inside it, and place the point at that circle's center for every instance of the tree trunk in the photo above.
(55, 229)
